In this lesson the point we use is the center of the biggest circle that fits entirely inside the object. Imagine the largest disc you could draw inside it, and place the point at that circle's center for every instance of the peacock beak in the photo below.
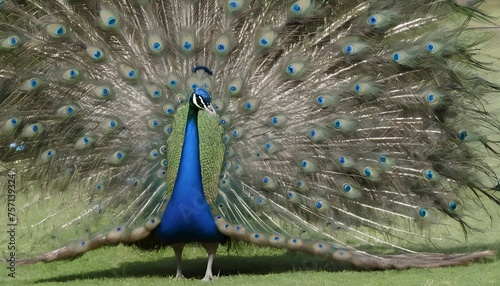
(210, 109)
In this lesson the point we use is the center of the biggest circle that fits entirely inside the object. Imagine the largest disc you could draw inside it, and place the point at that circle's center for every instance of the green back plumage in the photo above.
(175, 143)
(211, 153)
(211, 150)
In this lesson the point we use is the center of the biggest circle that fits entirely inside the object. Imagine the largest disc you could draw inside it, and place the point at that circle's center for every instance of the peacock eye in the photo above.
(452, 205)
(433, 47)
(9, 42)
(430, 47)
(367, 172)
(164, 163)
(422, 212)
(187, 45)
(31, 84)
(95, 53)
(233, 4)
(462, 135)
(163, 149)
(56, 30)
(372, 20)
(348, 49)
(401, 57)
(221, 47)
(347, 188)
(154, 44)
(108, 19)
(337, 124)
(169, 109)
(127, 72)
(429, 174)
(153, 154)
(161, 173)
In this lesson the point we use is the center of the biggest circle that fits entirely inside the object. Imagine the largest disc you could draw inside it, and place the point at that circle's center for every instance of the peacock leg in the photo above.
(178, 247)
(211, 248)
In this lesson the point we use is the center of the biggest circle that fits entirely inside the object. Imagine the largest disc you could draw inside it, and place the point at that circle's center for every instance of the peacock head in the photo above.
(201, 100)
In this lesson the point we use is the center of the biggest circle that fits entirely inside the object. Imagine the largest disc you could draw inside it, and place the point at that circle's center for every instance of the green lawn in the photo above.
(246, 265)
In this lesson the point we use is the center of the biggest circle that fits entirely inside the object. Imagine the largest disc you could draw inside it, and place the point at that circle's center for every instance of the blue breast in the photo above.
(187, 217)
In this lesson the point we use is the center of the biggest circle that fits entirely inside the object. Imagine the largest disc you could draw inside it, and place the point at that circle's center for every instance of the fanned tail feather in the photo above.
(344, 123)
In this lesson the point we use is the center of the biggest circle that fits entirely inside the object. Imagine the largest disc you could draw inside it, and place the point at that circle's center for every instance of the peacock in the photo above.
(318, 126)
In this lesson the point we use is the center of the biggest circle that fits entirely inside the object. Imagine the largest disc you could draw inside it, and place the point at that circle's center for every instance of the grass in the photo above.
(250, 265)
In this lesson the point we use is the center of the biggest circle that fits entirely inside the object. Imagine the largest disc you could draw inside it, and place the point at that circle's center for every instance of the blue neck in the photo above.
(187, 217)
